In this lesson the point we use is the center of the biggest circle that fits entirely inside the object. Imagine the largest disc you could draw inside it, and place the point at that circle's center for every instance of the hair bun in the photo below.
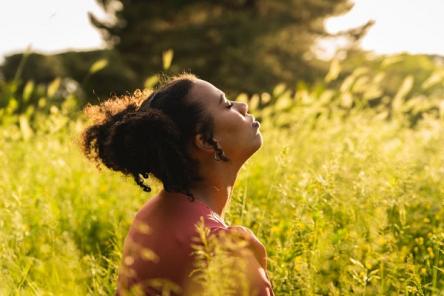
(148, 103)
(141, 136)
(139, 139)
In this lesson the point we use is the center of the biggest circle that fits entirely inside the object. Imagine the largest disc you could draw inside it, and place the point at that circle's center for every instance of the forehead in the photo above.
(205, 92)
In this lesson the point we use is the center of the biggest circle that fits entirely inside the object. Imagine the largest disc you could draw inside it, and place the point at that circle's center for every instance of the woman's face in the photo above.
(233, 126)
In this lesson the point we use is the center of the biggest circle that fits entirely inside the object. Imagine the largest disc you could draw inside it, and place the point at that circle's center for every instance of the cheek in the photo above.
(232, 131)
(229, 124)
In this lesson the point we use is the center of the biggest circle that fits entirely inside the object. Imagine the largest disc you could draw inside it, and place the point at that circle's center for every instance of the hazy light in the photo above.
(47, 25)
(414, 26)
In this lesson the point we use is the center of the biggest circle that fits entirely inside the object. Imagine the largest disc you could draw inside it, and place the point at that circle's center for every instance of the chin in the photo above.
(260, 141)
(256, 143)
(253, 146)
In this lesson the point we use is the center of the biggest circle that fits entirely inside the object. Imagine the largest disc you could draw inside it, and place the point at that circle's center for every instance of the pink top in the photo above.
(158, 244)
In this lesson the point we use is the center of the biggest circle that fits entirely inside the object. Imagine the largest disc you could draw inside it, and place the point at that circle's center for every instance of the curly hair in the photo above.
(138, 136)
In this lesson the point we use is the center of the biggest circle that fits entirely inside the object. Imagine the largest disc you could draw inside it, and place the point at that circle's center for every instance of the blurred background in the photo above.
(346, 193)
(239, 45)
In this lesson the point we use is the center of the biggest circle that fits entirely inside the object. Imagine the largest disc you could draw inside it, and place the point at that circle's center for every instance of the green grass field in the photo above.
(347, 200)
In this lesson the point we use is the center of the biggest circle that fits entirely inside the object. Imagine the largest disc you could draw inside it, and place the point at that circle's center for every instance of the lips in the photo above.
(254, 122)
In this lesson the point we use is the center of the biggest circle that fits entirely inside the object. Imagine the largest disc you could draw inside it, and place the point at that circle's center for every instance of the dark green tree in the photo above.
(115, 78)
(240, 45)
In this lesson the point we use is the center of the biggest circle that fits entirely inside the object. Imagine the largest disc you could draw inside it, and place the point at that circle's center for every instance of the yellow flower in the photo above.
(419, 241)
(430, 251)
(298, 261)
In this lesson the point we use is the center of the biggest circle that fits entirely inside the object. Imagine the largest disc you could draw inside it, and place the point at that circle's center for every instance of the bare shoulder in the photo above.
(242, 233)
(246, 258)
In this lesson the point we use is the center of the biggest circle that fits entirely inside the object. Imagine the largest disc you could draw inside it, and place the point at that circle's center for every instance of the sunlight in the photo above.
(414, 26)
(48, 25)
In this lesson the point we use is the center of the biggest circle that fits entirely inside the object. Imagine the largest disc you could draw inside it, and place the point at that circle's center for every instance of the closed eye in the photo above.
(229, 105)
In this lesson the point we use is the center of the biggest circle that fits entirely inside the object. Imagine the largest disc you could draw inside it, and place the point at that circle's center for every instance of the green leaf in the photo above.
(27, 91)
(12, 105)
(405, 88)
(53, 87)
(265, 98)
(434, 79)
(41, 102)
(347, 84)
(282, 103)
(242, 97)
(98, 65)
(390, 61)
(25, 128)
(346, 100)
(356, 262)
(151, 81)
(254, 102)
(333, 73)
(167, 58)
(279, 89)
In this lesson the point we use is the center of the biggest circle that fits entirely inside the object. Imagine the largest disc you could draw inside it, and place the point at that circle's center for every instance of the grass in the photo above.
(346, 199)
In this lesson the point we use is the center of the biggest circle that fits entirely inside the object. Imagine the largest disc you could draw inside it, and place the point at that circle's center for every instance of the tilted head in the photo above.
(170, 132)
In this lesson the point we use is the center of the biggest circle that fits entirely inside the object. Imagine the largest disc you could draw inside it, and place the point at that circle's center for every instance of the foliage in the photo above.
(217, 269)
(116, 77)
(345, 195)
(264, 42)
(427, 70)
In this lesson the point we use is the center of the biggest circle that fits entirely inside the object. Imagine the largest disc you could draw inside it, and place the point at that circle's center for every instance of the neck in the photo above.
(215, 190)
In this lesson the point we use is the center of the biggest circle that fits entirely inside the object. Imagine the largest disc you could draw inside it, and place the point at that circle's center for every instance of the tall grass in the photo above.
(345, 195)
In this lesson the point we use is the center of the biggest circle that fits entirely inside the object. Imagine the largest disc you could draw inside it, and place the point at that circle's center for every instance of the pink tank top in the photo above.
(157, 250)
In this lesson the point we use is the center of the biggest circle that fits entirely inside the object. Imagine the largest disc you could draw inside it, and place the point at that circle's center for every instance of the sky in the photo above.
(49, 26)
(413, 26)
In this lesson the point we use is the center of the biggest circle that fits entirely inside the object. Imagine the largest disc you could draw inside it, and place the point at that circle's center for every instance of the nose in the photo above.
(243, 108)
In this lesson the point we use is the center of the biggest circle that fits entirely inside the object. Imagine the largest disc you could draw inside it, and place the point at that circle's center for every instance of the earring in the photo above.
(219, 153)
(216, 156)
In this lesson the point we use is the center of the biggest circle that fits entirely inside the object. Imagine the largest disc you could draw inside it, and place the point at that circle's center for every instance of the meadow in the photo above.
(345, 195)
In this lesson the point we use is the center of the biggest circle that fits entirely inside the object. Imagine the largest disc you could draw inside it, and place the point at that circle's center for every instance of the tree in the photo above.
(240, 45)
(115, 78)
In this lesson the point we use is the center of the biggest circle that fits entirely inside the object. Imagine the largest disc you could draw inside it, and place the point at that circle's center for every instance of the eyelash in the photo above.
(230, 105)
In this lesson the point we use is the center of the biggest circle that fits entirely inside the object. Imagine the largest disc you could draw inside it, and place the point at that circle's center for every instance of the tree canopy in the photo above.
(241, 45)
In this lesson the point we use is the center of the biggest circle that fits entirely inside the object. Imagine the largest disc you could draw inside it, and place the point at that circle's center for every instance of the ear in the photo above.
(200, 143)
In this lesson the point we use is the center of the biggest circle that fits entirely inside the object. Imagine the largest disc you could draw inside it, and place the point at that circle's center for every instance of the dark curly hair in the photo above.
(138, 136)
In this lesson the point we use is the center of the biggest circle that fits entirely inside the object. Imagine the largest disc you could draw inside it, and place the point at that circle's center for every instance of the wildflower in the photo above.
(419, 241)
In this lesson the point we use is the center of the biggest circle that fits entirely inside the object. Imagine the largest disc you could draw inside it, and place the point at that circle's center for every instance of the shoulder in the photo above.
(252, 252)
(242, 233)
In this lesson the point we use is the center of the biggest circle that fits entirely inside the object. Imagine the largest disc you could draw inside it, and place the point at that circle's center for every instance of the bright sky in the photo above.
(416, 26)
(47, 25)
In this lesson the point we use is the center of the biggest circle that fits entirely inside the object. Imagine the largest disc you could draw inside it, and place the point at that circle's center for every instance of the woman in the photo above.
(190, 137)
